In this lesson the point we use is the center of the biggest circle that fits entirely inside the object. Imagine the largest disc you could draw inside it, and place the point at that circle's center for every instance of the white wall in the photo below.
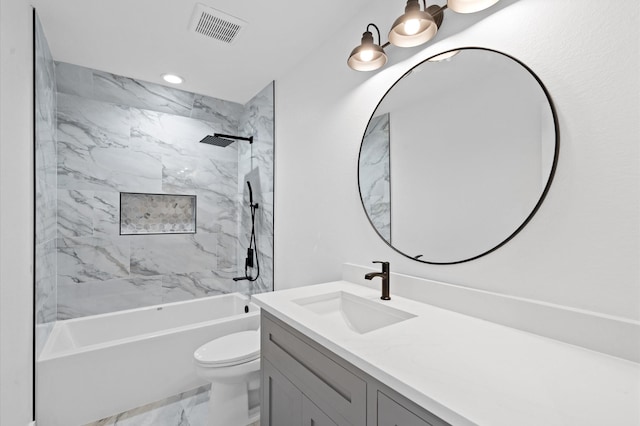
(16, 212)
(580, 250)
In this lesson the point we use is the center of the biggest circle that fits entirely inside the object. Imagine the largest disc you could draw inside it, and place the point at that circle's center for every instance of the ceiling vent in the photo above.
(215, 24)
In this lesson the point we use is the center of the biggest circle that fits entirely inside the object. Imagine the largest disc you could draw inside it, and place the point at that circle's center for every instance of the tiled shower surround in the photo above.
(255, 165)
(46, 194)
(116, 134)
(375, 184)
(99, 134)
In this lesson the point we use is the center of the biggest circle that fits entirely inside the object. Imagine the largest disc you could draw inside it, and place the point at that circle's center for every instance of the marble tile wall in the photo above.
(374, 175)
(256, 166)
(116, 134)
(98, 85)
(45, 194)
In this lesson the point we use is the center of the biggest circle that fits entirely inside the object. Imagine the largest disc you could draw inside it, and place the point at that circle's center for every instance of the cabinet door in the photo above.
(390, 413)
(333, 388)
(313, 416)
(281, 401)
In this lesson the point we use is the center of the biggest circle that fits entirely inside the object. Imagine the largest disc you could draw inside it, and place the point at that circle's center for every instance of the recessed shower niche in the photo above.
(143, 214)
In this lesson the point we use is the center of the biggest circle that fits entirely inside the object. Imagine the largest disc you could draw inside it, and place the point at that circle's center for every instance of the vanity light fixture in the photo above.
(413, 28)
(172, 78)
(368, 56)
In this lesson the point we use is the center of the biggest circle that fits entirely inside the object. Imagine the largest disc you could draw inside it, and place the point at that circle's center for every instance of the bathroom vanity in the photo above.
(304, 384)
(335, 354)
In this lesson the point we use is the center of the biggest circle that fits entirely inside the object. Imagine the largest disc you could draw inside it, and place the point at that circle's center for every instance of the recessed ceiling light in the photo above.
(172, 78)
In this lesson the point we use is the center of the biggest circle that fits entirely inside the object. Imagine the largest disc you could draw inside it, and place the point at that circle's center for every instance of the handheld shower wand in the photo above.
(252, 250)
(250, 194)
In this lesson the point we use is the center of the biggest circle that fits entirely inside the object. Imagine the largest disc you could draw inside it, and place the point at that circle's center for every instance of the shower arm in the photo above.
(241, 138)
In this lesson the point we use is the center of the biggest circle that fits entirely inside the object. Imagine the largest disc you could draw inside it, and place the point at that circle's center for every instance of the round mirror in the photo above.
(458, 156)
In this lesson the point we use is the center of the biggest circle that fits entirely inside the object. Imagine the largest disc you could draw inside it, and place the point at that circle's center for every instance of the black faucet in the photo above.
(385, 279)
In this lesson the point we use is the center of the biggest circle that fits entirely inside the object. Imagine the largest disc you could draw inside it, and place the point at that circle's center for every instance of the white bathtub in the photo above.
(98, 366)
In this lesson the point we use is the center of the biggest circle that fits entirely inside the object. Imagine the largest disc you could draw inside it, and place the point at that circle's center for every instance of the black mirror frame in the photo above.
(543, 194)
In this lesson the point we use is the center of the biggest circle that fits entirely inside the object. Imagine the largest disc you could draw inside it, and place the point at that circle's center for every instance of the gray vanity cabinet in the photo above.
(335, 391)
(286, 405)
(305, 384)
(282, 402)
(313, 416)
(390, 413)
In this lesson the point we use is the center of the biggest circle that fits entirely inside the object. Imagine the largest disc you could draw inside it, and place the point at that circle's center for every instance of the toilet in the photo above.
(232, 364)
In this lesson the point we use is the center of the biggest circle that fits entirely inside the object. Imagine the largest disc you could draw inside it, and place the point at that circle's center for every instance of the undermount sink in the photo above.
(356, 313)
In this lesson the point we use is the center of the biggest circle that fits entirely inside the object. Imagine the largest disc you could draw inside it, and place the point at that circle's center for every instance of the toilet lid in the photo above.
(232, 349)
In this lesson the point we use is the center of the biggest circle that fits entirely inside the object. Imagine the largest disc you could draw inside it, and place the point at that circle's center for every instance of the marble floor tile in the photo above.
(185, 409)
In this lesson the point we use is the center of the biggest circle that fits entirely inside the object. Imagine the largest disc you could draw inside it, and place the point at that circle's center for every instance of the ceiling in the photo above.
(144, 39)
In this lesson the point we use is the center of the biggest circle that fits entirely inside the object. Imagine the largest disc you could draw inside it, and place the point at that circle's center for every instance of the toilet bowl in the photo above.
(232, 364)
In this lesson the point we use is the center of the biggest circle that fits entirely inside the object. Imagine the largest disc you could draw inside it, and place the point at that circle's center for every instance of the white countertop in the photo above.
(472, 372)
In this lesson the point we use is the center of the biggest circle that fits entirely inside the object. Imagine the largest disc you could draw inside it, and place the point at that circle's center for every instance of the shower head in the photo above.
(217, 141)
(223, 141)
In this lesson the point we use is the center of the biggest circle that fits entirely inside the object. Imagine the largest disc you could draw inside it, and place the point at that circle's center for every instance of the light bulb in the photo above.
(411, 27)
(366, 55)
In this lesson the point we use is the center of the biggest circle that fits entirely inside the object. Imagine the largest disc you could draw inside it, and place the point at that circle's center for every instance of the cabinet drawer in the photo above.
(334, 389)
(390, 413)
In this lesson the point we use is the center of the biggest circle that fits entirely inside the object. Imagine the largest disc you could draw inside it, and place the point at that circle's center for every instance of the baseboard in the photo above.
(611, 335)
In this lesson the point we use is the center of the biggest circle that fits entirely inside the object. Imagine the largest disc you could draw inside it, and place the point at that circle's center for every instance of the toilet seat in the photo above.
(229, 350)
